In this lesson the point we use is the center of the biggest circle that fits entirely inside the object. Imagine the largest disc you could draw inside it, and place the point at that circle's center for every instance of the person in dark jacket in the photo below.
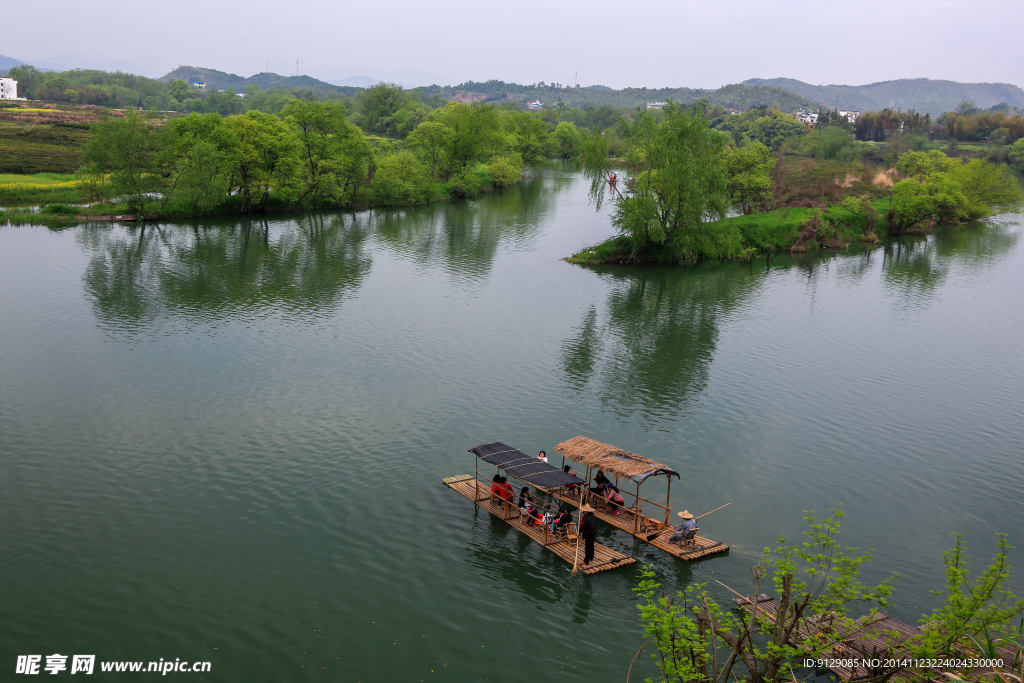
(564, 517)
(588, 530)
(525, 497)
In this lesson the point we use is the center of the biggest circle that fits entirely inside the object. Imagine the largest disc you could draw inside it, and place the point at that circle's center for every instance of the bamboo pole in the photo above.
(636, 510)
(668, 501)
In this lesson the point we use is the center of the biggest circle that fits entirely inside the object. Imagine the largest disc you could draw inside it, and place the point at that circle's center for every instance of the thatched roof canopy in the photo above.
(611, 459)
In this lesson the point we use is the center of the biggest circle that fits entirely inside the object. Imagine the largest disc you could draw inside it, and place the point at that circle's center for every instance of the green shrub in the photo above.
(505, 170)
(60, 209)
(400, 180)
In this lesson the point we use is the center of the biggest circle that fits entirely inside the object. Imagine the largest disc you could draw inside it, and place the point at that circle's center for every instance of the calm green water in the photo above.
(225, 441)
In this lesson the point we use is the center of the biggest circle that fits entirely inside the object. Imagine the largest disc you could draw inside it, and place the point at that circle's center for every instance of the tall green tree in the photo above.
(567, 140)
(681, 180)
(749, 167)
(377, 104)
(124, 148)
(431, 140)
(331, 150)
(775, 128)
(475, 136)
(265, 160)
(195, 151)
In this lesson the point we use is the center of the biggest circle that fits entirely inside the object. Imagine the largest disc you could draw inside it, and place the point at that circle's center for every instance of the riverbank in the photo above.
(57, 199)
(741, 237)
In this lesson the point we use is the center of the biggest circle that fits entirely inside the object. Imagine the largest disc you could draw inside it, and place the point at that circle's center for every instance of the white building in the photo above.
(850, 116)
(808, 117)
(8, 89)
(657, 105)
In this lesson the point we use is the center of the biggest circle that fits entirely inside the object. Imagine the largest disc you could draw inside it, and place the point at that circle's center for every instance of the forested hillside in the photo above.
(738, 96)
(264, 81)
(920, 94)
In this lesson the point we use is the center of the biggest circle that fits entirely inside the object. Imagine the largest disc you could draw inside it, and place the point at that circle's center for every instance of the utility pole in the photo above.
(296, 67)
(576, 79)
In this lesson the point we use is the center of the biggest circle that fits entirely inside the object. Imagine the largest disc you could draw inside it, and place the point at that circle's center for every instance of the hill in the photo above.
(7, 62)
(737, 96)
(920, 94)
(264, 81)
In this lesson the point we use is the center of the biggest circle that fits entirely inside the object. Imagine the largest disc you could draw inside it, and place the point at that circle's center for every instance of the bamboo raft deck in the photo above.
(876, 636)
(626, 520)
(479, 492)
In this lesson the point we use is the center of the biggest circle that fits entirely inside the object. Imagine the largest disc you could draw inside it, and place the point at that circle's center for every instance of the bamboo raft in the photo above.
(605, 559)
(874, 637)
(597, 456)
(642, 526)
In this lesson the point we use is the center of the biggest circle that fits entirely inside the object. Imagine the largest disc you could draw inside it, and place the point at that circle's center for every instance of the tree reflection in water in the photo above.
(914, 266)
(463, 237)
(208, 271)
(652, 349)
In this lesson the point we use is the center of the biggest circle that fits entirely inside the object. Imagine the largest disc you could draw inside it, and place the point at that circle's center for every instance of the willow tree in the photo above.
(123, 150)
(681, 181)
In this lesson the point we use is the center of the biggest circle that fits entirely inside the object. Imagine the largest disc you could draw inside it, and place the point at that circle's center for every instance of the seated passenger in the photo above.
(525, 498)
(543, 457)
(689, 524)
(496, 486)
(534, 516)
(613, 495)
(564, 517)
(506, 489)
(572, 473)
(549, 516)
(601, 479)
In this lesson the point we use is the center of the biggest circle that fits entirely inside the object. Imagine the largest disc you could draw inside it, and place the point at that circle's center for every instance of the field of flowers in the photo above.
(40, 188)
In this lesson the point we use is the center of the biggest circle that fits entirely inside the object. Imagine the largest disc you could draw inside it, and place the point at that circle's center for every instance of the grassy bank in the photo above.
(62, 198)
(740, 237)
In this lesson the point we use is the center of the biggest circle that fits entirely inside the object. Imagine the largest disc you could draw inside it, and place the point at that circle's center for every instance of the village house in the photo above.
(808, 118)
(657, 105)
(8, 89)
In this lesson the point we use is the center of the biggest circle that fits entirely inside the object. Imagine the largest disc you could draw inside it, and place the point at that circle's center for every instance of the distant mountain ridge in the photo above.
(920, 94)
(7, 62)
(264, 81)
(737, 96)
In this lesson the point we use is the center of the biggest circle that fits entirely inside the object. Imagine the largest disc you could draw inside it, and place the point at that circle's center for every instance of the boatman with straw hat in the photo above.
(689, 524)
(588, 530)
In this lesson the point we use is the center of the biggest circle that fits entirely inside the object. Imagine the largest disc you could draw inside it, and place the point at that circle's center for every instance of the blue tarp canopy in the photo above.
(528, 468)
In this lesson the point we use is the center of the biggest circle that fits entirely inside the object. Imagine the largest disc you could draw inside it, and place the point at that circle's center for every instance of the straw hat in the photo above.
(586, 508)
(685, 514)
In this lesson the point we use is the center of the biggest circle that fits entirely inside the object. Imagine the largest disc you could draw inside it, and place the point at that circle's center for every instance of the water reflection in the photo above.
(652, 349)
(914, 266)
(494, 543)
(204, 271)
(464, 237)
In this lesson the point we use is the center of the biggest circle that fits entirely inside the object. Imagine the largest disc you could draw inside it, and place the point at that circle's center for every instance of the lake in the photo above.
(224, 440)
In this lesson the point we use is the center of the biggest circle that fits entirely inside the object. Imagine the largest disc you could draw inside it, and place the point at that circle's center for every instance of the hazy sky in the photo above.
(654, 43)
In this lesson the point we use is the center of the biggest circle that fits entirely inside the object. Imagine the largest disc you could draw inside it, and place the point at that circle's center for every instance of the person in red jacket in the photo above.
(506, 489)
